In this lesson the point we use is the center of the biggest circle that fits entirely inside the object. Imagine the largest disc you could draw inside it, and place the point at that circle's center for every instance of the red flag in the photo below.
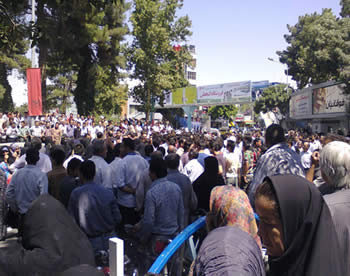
(34, 92)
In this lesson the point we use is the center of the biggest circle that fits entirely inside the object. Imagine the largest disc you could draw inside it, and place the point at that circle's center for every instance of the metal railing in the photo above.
(170, 250)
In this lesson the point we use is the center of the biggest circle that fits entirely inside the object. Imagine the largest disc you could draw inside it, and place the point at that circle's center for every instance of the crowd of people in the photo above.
(79, 181)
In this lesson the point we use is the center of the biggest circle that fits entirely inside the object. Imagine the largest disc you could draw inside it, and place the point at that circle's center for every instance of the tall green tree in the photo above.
(274, 96)
(318, 49)
(13, 46)
(345, 5)
(154, 61)
(85, 38)
(227, 112)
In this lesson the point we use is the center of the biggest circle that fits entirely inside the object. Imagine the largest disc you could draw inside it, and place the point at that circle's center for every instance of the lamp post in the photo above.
(33, 49)
(271, 59)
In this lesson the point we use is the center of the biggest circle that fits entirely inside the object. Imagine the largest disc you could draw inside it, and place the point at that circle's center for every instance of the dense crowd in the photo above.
(150, 180)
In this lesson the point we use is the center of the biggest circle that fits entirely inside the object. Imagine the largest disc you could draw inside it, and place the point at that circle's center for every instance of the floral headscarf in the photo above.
(234, 206)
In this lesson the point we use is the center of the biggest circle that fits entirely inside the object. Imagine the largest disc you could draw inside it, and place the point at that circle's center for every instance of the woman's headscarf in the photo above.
(210, 178)
(309, 237)
(52, 242)
(234, 207)
(229, 251)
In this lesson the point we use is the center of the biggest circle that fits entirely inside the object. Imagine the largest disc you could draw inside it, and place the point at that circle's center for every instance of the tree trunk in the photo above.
(148, 104)
(6, 102)
(43, 51)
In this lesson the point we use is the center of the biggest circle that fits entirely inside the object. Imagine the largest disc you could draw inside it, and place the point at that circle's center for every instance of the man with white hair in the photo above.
(335, 169)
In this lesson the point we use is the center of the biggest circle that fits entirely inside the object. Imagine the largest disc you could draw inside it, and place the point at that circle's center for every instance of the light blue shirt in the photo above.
(129, 173)
(103, 173)
(26, 185)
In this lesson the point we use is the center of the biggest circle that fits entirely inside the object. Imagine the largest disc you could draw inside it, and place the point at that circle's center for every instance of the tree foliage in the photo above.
(84, 39)
(153, 59)
(345, 11)
(13, 46)
(228, 112)
(318, 49)
(274, 96)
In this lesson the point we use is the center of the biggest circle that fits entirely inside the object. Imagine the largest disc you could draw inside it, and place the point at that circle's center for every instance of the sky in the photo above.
(234, 38)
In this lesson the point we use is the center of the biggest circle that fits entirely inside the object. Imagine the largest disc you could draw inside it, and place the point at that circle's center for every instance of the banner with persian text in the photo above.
(34, 92)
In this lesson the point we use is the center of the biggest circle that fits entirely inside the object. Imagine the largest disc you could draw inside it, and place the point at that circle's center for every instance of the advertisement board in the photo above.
(300, 105)
(185, 95)
(234, 92)
(329, 99)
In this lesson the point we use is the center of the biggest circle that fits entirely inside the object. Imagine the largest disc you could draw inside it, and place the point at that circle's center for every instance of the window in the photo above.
(191, 75)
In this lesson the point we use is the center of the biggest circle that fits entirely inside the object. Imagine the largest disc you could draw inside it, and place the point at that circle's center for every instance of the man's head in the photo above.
(274, 135)
(157, 168)
(171, 149)
(99, 148)
(335, 164)
(32, 156)
(172, 161)
(230, 146)
(79, 149)
(128, 145)
(57, 157)
(306, 146)
(87, 171)
(36, 143)
(73, 167)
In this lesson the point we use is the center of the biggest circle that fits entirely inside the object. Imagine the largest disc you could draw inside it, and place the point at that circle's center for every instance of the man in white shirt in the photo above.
(36, 130)
(306, 156)
(233, 164)
(102, 175)
(193, 168)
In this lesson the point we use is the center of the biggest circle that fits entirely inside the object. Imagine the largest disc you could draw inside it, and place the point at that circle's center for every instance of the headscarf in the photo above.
(52, 242)
(209, 179)
(309, 236)
(234, 206)
(229, 251)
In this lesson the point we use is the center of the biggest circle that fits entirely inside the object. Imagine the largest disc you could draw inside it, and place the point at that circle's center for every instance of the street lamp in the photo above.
(271, 59)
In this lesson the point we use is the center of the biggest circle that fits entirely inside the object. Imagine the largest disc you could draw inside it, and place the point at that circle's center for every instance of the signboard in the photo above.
(185, 95)
(234, 92)
(300, 105)
(329, 100)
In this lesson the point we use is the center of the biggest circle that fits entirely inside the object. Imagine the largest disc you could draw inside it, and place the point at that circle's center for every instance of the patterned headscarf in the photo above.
(234, 206)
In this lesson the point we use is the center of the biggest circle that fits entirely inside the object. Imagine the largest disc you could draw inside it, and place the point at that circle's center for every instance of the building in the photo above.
(322, 108)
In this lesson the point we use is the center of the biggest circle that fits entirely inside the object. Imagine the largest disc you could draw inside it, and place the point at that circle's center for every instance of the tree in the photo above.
(227, 112)
(13, 46)
(155, 62)
(274, 96)
(318, 49)
(345, 11)
(84, 38)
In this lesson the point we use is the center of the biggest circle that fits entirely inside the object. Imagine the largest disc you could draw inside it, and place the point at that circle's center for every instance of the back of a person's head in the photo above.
(32, 156)
(73, 165)
(148, 150)
(158, 167)
(156, 154)
(274, 135)
(99, 135)
(58, 156)
(36, 143)
(129, 143)
(87, 170)
(172, 161)
(98, 146)
(116, 150)
(79, 149)
(193, 154)
(335, 164)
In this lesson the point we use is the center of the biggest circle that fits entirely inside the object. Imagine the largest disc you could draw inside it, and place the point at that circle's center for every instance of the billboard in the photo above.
(300, 105)
(329, 99)
(185, 95)
(234, 92)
